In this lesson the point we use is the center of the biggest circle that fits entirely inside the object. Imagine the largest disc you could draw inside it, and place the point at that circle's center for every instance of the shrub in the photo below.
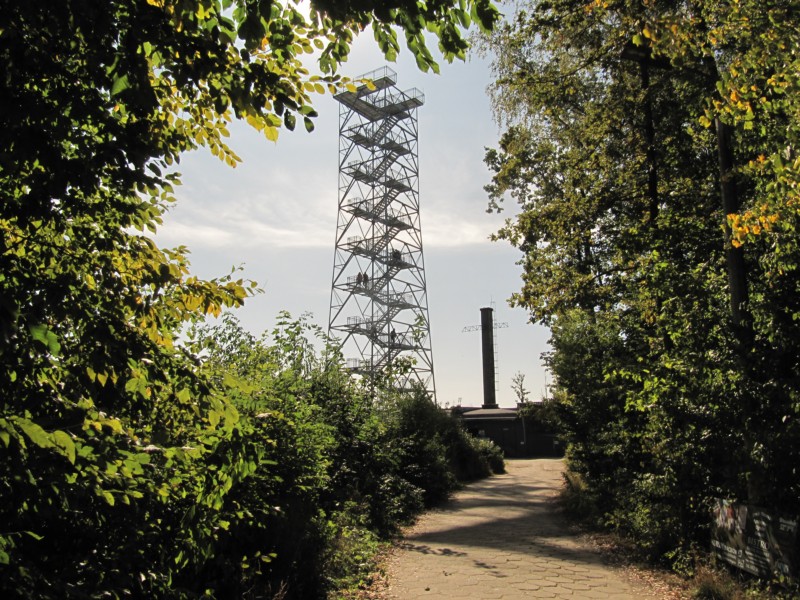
(336, 470)
(578, 500)
(491, 452)
(455, 454)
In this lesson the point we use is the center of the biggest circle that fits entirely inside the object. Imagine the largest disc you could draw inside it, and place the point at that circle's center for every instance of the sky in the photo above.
(274, 216)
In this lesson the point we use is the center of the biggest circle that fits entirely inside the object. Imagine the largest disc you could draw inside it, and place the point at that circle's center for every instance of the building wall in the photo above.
(508, 434)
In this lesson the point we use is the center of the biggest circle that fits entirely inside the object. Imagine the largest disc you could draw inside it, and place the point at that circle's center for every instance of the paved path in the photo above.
(501, 538)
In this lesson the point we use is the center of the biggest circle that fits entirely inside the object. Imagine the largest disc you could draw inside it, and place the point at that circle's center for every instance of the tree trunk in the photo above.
(734, 257)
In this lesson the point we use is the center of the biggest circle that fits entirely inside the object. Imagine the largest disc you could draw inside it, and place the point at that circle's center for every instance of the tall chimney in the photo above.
(487, 340)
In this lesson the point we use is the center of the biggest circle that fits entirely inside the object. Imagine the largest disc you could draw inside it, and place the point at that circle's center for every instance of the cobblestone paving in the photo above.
(501, 538)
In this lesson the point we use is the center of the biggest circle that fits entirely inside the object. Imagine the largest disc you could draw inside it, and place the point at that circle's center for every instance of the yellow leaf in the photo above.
(192, 302)
(271, 133)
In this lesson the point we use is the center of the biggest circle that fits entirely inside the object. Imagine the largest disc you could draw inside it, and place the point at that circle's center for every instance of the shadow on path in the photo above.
(504, 538)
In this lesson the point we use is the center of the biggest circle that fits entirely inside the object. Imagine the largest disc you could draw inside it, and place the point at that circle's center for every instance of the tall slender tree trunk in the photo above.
(650, 140)
(734, 257)
(740, 315)
(651, 156)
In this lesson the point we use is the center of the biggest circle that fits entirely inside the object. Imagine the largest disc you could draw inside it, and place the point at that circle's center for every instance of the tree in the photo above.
(116, 446)
(648, 145)
(518, 385)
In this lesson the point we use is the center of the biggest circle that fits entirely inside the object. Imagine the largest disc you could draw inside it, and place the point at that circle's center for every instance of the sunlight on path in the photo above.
(501, 538)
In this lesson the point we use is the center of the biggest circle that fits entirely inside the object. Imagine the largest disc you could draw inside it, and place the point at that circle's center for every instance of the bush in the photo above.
(457, 455)
(271, 474)
(578, 500)
(338, 470)
(351, 545)
(491, 452)
(711, 585)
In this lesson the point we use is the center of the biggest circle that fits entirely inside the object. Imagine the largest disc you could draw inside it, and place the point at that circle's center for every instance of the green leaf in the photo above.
(64, 441)
(42, 334)
(119, 85)
(34, 433)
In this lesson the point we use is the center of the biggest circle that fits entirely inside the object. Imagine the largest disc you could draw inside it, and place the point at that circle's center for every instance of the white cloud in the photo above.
(443, 231)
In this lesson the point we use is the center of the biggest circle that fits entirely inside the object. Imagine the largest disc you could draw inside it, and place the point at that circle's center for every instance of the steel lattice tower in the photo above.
(379, 304)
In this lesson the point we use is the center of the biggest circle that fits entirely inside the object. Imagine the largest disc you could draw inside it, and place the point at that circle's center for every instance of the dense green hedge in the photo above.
(344, 465)
(288, 497)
